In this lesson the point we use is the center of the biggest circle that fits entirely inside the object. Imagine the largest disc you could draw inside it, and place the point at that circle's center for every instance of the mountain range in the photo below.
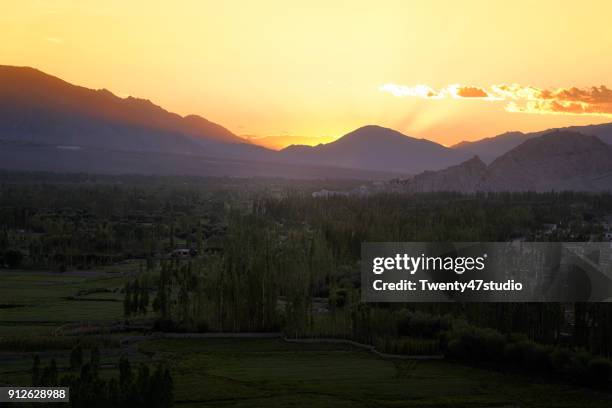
(48, 124)
(488, 149)
(375, 148)
(555, 161)
(37, 107)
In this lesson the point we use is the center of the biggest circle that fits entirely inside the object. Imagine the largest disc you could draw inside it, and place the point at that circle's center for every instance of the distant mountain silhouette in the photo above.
(557, 160)
(603, 131)
(490, 148)
(49, 124)
(377, 148)
(36, 107)
(464, 177)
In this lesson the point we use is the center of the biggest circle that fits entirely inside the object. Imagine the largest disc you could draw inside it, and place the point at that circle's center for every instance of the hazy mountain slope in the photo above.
(462, 177)
(43, 157)
(603, 132)
(377, 148)
(50, 124)
(38, 107)
(490, 148)
(557, 160)
(554, 161)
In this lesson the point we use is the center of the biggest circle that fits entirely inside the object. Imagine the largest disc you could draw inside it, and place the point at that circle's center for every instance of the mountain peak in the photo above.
(375, 147)
(557, 160)
(77, 115)
(557, 142)
(372, 132)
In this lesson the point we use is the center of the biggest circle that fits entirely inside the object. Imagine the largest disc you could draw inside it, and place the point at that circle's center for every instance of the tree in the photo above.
(36, 371)
(89, 390)
(127, 300)
(168, 387)
(95, 358)
(135, 302)
(143, 304)
(113, 393)
(143, 384)
(49, 375)
(13, 258)
(125, 371)
(76, 357)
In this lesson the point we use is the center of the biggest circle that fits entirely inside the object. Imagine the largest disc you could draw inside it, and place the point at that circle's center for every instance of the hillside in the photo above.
(377, 148)
(490, 148)
(557, 160)
(37, 107)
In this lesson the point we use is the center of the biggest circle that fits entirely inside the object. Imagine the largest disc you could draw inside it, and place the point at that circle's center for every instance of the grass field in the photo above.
(258, 372)
(273, 373)
(38, 302)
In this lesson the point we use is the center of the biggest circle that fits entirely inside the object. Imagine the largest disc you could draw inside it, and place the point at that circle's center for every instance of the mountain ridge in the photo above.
(37, 109)
(557, 160)
(70, 106)
(376, 147)
(489, 148)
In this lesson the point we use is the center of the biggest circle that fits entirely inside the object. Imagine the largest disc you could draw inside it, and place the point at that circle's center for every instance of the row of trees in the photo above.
(277, 260)
(141, 388)
(280, 256)
(136, 297)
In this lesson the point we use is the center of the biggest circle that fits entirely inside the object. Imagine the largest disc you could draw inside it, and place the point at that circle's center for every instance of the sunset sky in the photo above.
(312, 71)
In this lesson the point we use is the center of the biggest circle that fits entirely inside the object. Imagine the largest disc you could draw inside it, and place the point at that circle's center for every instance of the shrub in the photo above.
(474, 344)
(419, 324)
(560, 359)
(577, 371)
(536, 358)
(13, 258)
(599, 370)
(407, 346)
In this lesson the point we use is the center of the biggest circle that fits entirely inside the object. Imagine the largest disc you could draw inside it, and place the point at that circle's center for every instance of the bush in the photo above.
(475, 344)
(560, 360)
(167, 325)
(407, 346)
(171, 326)
(471, 344)
(577, 371)
(536, 358)
(202, 326)
(419, 324)
(13, 258)
(599, 370)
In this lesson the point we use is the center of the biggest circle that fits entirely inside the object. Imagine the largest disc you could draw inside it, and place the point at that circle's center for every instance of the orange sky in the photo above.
(312, 71)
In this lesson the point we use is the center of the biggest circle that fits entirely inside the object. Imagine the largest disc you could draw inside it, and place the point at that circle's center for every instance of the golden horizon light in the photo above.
(281, 72)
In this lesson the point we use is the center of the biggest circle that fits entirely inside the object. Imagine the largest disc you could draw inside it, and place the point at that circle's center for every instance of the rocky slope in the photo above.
(557, 160)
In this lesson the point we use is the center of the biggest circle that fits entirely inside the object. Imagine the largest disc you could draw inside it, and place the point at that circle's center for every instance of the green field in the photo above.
(273, 373)
(38, 302)
(256, 372)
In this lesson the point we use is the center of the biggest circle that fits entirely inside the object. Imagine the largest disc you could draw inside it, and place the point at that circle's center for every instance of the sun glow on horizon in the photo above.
(311, 72)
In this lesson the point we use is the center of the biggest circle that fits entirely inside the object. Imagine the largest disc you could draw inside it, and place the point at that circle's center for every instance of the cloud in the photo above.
(596, 100)
(472, 92)
(423, 91)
